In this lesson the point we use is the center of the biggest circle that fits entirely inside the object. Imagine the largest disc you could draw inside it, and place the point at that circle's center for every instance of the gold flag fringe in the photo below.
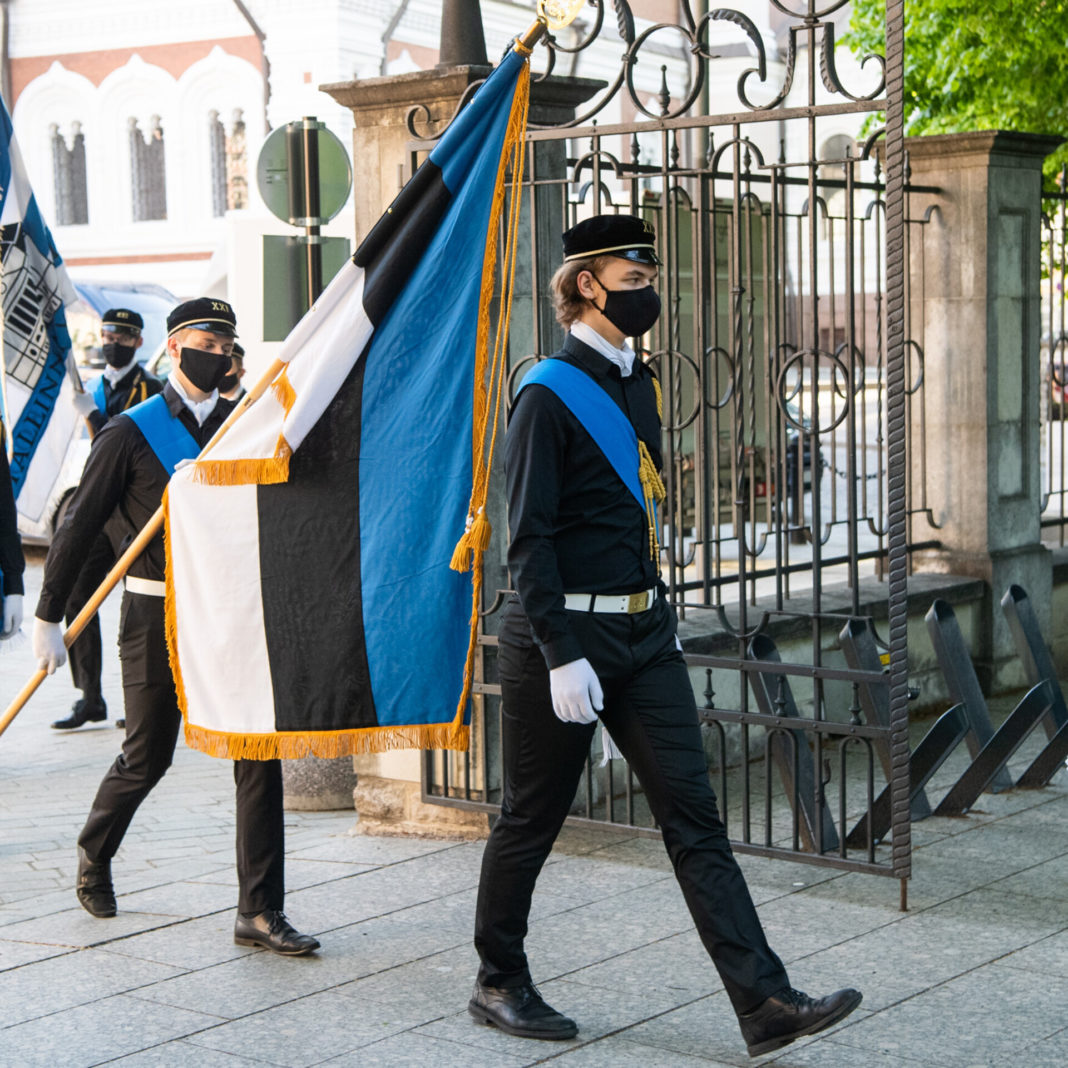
(264, 471)
(475, 539)
(292, 745)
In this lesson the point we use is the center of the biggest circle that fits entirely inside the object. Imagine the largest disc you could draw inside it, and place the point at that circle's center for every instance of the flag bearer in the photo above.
(127, 471)
(589, 634)
(123, 383)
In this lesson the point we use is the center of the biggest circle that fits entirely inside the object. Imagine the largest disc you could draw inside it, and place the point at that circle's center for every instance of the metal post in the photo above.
(462, 42)
(312, 219)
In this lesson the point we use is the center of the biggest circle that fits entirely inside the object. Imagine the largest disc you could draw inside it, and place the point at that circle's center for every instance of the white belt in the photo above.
(610, 602)
(149, 587)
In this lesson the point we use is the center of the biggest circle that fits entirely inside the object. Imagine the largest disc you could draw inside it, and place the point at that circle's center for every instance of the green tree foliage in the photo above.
(1000, 64)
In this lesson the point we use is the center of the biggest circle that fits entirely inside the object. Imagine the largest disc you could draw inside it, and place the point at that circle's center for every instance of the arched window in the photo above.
(68, 176)
(229, 163)
(147, 175)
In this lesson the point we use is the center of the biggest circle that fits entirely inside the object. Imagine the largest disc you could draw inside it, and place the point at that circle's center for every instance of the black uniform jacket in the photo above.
(12, 563)
(121, 488)
(135, 386)
(574, 526)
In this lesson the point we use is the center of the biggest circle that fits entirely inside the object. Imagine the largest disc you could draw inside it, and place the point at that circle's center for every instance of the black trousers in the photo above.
(152, 724)
(651, 714)
(86, 652)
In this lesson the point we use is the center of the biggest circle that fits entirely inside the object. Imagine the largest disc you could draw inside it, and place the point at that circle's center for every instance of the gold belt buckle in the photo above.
(638, 602)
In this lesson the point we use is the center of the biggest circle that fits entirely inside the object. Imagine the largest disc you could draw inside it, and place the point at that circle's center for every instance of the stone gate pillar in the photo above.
(974, 335)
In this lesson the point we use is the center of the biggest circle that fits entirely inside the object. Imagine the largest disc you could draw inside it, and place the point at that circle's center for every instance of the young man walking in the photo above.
(129, 465)
(589, 635)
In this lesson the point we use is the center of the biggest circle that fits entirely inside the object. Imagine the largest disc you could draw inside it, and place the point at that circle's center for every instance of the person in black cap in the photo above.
(230, 387)
(589, 634)
(123, 383)
(129, 465)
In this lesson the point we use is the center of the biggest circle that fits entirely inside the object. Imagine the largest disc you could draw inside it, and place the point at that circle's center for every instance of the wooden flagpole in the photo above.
(137, 546)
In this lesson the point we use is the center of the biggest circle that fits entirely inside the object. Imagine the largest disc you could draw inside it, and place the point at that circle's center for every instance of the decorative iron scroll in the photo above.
(812, 29)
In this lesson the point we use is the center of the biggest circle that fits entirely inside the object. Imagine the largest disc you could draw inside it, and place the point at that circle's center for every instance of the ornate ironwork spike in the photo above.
(675, 152)
(664, 96)
(782, 151)
(747, 160)
(709, 692)
(710, 153)
(878, 170)
(854, 708)
(780, 695)
(635, 148)
(908, 166)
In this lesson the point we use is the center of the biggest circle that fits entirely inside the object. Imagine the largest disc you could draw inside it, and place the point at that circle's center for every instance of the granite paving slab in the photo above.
(181, 1054)
(616, 1050)
(15, 954)
(75, 927)
(189, 945)
(96, 1033)
(988, 1016)
(929, 948)
(679, 964)
(49, 986)
(411, 1050)
(314, 1028)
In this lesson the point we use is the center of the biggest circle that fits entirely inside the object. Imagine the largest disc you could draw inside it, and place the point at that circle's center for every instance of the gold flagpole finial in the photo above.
(552, 15)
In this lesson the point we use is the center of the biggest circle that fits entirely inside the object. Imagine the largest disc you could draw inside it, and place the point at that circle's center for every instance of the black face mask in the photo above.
(634, 311)
(204, 369)
(227, 382)
(116, 355)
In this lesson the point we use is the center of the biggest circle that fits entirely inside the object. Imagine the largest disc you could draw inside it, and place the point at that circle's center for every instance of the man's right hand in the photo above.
(84, 404)
(48, 647)
(576, 692)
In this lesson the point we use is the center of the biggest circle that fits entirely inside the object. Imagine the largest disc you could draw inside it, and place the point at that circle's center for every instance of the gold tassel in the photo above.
(476, 538)
(655, 493)
(659, 398)
(475, 541)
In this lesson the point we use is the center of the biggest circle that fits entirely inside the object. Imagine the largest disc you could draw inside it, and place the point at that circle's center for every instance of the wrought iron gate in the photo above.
(782, 359)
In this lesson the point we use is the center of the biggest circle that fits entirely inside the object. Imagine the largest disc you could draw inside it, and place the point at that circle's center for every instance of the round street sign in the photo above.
(281, 167)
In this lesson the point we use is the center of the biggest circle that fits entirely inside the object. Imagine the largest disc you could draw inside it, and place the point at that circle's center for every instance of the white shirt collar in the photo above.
(115, 374)
(623, 358)
(200, 409)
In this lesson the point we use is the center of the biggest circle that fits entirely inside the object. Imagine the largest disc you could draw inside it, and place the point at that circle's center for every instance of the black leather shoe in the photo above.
(520, 1011)
(94, 888)
(790, 1014)
(273, 931)
(84, 710)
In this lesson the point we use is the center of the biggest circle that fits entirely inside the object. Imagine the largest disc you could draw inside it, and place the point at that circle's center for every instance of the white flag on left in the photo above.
(40, 420)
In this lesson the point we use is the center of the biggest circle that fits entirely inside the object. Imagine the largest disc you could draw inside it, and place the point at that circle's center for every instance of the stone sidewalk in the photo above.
(975, 973)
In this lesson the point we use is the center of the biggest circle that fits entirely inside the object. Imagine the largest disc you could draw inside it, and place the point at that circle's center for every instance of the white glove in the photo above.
(576, 692)
(48, 645)
(12, 615)
(84, 404)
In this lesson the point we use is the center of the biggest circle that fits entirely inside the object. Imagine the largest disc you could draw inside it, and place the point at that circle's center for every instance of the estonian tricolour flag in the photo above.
(36, 342)
(311, 604)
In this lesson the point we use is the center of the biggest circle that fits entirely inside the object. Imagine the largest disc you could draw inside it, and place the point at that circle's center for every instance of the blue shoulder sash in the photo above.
(165, 434)
(602, 418)
(98, 395)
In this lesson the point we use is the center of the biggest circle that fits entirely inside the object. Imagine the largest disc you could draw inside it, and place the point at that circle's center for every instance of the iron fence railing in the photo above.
(789, 376)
